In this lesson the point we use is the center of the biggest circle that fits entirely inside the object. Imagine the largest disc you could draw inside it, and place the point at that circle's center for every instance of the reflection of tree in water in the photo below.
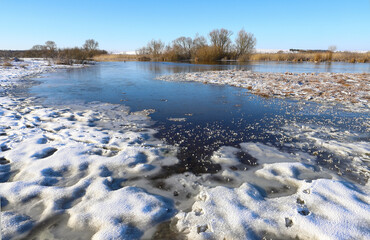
(165, 67)
(328, 67)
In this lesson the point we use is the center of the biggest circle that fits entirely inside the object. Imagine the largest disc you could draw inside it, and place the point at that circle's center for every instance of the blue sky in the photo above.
(128, 25)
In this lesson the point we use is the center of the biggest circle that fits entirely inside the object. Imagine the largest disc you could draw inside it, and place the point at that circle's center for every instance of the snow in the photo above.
(322, 206)
(63, 172)
(319, 87)
(78, 169)
(322, 209)
(338, 142)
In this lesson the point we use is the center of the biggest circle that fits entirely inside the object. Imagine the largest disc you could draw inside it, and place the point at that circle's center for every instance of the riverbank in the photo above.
(91, 172)
(316, 57)
(350, 89)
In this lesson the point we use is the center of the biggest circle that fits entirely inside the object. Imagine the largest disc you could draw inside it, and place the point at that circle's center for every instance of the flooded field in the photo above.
(198, 118)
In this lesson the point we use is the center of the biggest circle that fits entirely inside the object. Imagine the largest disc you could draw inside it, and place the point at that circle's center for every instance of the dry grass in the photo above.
(7, 64)
(244, 58)
(313, 57)
(210, 54)
(116, 58)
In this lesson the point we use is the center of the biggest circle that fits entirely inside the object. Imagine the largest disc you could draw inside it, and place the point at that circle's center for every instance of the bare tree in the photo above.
(244, 43)
(142, 51)
(220, 38)
(38, 48)
(183, 46)
(91, 45)
(50, 49)
(155, 48)
(199, 41)
(50, 46)
(332, 48)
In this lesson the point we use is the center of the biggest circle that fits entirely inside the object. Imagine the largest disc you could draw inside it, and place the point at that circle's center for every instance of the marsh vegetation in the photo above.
(66, 56)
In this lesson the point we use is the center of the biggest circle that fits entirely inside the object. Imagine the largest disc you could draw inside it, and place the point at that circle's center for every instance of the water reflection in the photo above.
(328, 67)
(165, 67)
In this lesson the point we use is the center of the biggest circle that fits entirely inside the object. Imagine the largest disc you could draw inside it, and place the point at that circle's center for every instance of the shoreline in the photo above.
(350, 89)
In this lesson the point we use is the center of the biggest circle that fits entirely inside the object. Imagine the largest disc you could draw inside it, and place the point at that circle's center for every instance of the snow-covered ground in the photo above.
(64, 174)
(350, 89)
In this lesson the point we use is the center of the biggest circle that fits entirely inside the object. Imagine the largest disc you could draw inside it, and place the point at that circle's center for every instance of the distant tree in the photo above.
(220, 38)
(38, 48)
(198, 42)
(50, 49)
(50, 46)
(331, 50)
(91, 45)
(155, 48)
(244, 44)
(142, 51)
(183, 46)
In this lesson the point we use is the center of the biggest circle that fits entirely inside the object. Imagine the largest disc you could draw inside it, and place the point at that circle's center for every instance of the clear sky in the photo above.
(122, 25)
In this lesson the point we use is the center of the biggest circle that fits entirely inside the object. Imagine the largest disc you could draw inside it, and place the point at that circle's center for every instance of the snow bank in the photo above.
(60, 161)
(323, 209)
(350, 89)
(285, 197)
(27, 69)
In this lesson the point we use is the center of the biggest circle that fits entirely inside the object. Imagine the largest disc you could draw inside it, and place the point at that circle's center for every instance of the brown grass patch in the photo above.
(350, 57)
(7, 64)
(116, 58)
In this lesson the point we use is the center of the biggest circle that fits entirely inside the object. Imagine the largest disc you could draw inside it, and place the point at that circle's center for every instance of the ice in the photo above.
(319, 87)
(351, 154)
(267, 154)
(226, 155)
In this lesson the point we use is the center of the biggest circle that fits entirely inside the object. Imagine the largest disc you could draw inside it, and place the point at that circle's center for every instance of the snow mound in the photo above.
(58, 162)
(321, 209)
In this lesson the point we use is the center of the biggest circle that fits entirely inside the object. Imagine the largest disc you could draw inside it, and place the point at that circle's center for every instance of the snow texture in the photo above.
(350, 89)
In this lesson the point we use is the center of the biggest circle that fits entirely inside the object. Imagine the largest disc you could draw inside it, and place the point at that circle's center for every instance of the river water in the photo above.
(200, 118)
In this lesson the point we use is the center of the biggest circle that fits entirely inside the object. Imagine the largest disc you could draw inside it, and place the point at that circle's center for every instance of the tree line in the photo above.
(65, 55)
(218, 46)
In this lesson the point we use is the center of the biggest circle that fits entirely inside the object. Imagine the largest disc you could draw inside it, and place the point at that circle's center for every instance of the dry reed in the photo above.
(116, 57)
(313, 57)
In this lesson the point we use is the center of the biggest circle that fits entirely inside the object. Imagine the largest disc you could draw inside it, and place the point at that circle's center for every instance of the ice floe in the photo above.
(350, 89)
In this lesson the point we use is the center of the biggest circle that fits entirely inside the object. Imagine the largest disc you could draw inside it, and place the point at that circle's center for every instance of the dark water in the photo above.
(215, 116)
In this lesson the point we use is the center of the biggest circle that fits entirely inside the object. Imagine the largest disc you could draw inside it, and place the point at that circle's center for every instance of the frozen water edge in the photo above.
(65, 164)
(349, 89)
